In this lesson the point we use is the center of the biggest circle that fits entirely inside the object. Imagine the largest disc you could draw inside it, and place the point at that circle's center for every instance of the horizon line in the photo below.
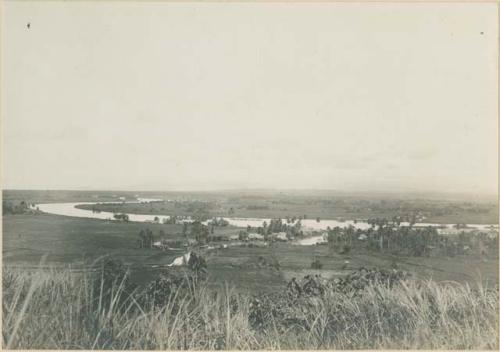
(263, 189)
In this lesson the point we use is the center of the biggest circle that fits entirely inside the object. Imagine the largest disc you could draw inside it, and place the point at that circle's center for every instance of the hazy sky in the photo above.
(190, 96)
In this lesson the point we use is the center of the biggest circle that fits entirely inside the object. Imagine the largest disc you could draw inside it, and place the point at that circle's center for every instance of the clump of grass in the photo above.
(58, 309)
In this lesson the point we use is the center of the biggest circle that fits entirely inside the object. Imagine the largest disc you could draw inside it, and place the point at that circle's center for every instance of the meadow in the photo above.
(77, 242)
(51, 309)
(26, 238)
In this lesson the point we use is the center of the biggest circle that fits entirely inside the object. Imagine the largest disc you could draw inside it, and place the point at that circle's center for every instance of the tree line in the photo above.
(22, 207)
(388, 236)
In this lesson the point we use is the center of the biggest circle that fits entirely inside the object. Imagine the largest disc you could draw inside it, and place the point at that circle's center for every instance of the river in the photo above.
(69, 209)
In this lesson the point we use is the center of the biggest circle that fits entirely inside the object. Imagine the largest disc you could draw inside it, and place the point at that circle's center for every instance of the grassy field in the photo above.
(75, 241)
(26, 238)
(295, 261)
(65, 310)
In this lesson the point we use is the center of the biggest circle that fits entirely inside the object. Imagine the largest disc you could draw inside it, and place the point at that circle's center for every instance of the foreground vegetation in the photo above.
(102, 309)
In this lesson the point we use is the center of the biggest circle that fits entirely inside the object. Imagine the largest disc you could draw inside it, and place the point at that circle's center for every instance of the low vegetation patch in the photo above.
(370, 308)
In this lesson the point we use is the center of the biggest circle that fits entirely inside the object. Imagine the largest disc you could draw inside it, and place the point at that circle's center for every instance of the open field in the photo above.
(68, 240)
(26, 238)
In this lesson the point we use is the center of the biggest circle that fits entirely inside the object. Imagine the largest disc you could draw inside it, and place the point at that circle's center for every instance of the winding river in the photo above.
(69, 209)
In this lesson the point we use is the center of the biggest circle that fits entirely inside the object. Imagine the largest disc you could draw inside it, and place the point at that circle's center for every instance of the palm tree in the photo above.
(149, 238)
(349, 231)
(142, 239)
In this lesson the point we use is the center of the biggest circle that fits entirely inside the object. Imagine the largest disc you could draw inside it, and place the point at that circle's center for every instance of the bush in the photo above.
(166, 288)
(197, 264)
(110, 281)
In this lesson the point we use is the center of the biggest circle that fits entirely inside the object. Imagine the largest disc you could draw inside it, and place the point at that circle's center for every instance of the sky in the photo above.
(207, 96)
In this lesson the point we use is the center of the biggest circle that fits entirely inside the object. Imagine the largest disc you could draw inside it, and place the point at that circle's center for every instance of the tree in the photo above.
(146, 238)
(330, 238)
(142, 239)
(123, 217)
(197, 264)
(149, 238)
(243, 236)
(316, 264)
(199, 231)
(349, 231)
(333, 236)
(298, 225)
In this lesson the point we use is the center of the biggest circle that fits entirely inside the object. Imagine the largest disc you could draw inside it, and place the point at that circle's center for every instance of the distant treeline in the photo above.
(11, 208)
(389, 236)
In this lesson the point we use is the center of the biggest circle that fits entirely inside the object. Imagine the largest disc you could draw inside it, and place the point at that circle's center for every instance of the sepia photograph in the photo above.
(249, 175)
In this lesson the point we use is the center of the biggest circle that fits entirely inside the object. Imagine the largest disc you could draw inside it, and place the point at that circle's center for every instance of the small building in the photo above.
(158, 244)
(255, 236)
(281, 236)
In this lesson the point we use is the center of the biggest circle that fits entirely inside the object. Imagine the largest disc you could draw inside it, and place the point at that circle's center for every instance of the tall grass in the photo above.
(63, 310)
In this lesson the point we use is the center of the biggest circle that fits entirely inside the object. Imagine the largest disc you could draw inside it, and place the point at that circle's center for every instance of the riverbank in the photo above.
(437, 208)
(92, 210)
